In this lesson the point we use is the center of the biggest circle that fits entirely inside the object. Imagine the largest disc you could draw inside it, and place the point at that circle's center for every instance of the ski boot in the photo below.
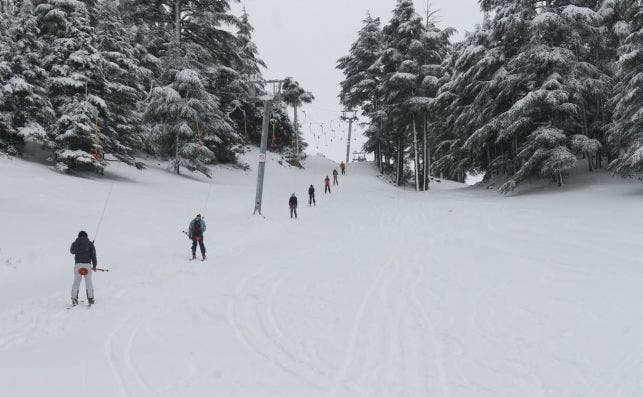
(203, 258)
(74, 301)
(193, 255)
(90, 301)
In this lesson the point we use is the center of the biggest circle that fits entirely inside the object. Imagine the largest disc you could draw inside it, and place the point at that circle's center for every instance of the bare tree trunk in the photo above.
(400, 163)
(296, 133)
(560, 179)
(379, 147)
(601, 111)
(514, 163)
(585, 128)
(397, 167)
(177, 166)
(417, 159)
(177, 21)
(426, 163)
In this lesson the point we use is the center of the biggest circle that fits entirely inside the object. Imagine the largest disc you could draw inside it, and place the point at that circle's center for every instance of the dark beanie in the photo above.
(82, 233)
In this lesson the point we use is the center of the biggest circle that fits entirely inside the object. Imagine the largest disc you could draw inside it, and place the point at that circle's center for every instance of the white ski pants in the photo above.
(88, 280)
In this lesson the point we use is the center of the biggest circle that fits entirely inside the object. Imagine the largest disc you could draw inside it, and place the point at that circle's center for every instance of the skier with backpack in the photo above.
(195, 233)
(327, 184)
(311, 196)
(292, 203)
(335, 173)
(342, 166)
(85, 261)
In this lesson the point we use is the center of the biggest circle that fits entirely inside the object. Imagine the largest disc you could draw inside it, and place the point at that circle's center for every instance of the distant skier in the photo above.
(335, 173)
(292, 203)
(311, 196)
(195, 233)
(327, 184)
(342, 165)
(85, 263)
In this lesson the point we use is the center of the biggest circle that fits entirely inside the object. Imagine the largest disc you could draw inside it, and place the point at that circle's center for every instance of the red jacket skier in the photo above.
(327, 184)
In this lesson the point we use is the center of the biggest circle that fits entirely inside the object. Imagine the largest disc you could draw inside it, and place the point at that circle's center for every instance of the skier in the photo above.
(196, 229)
(84, 256)
(327, 184)
(292, 203)
(343, 167)
(311, 196)
(335, 173)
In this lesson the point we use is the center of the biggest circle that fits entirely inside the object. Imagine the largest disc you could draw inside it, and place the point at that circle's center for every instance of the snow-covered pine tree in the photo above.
(126, 81)
(183, 115)
(430, 57)
(591, 45)
(626, 130)
(25, 110)
(223, 77)
(543, 90)
(8, 136)
(190, 36)
(76, 78)
(282, 136)
(250, 64)
(401, 64)
(294, 95)
(359, 87)
(242, 109)
(462, 104)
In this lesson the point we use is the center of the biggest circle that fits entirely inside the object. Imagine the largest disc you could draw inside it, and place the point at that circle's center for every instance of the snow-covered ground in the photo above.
(377, 291)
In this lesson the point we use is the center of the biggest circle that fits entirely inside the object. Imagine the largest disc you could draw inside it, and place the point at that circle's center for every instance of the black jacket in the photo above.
(292, 202)
(84, 251)
(311, 190)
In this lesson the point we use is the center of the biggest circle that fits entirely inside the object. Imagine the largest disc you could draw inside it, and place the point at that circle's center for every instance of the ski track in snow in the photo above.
(374, 292)
(252, 315)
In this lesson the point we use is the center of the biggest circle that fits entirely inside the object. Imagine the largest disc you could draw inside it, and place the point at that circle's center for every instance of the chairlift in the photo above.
(359, 157)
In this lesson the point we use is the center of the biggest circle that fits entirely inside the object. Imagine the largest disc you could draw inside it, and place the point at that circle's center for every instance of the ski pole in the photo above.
(101, 270)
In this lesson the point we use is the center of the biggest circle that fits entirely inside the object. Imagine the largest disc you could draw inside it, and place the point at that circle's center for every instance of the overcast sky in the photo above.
(304, 39)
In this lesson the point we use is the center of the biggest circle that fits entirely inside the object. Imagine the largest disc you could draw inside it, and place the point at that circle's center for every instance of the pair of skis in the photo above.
(89, 305)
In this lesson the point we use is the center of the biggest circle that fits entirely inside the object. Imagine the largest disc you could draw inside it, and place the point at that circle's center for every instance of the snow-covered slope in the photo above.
(375, 292)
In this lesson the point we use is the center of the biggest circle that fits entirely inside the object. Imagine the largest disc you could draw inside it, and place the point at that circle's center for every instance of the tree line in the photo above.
(535, 88)
(102, 80)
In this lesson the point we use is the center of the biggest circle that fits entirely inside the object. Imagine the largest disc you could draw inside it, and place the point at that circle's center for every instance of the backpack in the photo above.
(197, 228)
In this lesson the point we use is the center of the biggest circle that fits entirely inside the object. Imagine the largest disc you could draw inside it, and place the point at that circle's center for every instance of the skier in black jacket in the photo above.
(85, 258)
(292, 203)
(311, 196)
